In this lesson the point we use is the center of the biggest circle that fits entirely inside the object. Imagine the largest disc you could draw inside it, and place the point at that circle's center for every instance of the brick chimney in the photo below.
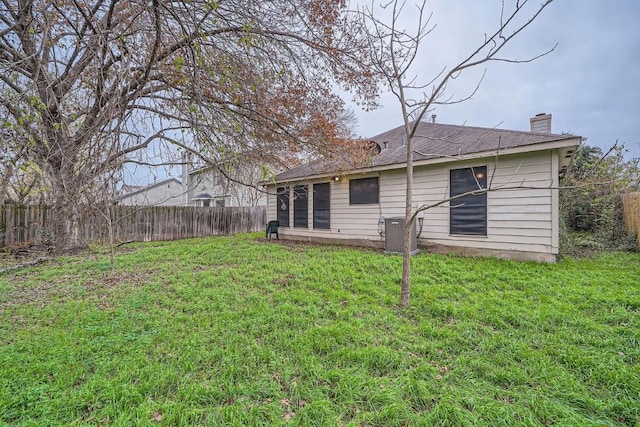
(541, 123)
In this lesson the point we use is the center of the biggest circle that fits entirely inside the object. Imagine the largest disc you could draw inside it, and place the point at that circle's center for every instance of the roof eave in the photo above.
(570, 141)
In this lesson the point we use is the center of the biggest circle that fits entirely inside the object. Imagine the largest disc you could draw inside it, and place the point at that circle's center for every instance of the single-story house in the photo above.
(517, 219)
(168, 192)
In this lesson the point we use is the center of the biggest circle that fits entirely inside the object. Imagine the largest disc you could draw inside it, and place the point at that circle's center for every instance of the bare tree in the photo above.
(395, 52)
(14, 162)
(93, 82)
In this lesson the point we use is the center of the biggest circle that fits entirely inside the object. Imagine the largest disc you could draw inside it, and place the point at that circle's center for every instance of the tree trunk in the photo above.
(4, 181)
(394, 53)
(405, 290)
(110, 224)
(66, 224)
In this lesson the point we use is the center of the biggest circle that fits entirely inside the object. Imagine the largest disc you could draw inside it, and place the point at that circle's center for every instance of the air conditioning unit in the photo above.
(394, 236)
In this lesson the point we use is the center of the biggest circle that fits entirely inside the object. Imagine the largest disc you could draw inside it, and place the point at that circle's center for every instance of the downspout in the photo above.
(420, 223)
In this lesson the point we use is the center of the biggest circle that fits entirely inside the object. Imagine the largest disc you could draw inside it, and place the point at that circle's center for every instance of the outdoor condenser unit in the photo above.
(394, 236)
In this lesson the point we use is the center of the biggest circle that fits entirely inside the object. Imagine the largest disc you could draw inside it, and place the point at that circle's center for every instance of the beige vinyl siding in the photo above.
(353, 221)
(347, 221)
(518, 219)
(272, 213)
(555, 203)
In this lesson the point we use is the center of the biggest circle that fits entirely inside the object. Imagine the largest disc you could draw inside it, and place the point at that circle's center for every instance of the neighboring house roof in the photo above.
(203, 196)
(439, 141)
(143, 189)
(126, 189)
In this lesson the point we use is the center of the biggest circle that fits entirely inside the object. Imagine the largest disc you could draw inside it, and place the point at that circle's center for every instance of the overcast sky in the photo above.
(590, 83)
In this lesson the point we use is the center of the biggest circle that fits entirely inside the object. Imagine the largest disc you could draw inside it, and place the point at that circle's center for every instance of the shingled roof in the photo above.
(436, 140)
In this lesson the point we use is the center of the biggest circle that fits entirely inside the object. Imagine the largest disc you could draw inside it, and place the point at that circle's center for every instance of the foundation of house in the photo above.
(427, 246)
(489, 253)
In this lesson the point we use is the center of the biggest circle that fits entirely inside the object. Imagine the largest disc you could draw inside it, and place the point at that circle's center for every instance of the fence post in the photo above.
(631, 206)
(3, 223)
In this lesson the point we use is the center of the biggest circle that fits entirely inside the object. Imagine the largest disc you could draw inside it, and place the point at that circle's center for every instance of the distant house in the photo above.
(209, 186)
(168, 192)
(520, 221)
(202, 186)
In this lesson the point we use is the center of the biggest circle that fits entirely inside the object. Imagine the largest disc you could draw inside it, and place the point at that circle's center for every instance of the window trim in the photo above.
(301, 193)
(283, 192)
(326, 185)
(355, 195)
(480, 201)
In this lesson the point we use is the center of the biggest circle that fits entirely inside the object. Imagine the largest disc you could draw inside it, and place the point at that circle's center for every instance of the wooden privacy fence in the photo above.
(19, 223)
(631, 203)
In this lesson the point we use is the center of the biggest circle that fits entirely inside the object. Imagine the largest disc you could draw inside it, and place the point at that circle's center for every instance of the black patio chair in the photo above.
(272, 228)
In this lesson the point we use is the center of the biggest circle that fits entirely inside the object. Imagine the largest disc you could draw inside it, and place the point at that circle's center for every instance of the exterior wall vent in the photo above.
(394, 236)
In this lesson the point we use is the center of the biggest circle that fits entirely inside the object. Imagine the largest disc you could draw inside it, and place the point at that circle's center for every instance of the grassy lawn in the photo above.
(237, 331)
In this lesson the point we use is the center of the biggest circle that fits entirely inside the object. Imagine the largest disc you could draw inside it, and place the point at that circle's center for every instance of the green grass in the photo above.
(237, 331)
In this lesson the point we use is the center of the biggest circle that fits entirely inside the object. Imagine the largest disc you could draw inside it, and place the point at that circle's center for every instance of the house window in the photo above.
(220, 203)
(300, 206)
(282, 201)
(363, 191)
(321, 206)
(468, 214)
(203, 199)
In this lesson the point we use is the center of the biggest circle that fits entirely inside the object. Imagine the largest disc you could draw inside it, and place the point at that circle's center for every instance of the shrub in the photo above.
(591, 204)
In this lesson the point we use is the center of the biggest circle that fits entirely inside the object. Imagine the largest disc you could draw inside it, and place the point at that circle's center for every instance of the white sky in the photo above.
(590, 83)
